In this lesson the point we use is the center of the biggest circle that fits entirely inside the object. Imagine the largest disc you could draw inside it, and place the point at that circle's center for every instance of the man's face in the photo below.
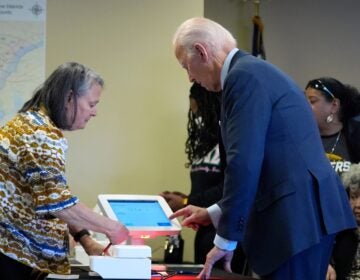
(355, 205)
(200, 69)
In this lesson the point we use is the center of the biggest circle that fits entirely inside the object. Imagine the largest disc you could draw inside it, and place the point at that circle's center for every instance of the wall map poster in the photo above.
(22, 52)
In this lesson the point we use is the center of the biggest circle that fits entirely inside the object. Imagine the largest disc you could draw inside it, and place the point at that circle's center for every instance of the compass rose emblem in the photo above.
(36, 9)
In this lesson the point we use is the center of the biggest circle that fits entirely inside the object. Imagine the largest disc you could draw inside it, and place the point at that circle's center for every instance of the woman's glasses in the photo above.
(318, 84)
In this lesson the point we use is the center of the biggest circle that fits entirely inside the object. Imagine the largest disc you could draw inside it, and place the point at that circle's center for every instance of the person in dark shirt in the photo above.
(206, 171)
(336, 107)
(345, 271)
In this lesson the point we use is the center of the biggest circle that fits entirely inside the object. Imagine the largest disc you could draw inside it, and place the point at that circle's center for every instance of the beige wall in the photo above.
(136, 143)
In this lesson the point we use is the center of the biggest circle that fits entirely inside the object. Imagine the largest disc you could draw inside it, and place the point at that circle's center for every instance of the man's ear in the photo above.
(201, 51)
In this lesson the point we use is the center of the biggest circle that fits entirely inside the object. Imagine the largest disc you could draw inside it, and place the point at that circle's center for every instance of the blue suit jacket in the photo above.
(281, 194)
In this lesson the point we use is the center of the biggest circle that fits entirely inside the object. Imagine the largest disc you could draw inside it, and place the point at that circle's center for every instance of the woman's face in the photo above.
(355, 205)
(86, 107)
(321, 107)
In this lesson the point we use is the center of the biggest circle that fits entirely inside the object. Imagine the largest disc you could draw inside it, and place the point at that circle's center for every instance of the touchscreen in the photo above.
(141, 213)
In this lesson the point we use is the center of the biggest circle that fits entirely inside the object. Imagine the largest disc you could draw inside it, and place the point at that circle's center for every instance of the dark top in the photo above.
(336, 149)
(207, 181)
(352, 135)
(346, 151)
(344, 252)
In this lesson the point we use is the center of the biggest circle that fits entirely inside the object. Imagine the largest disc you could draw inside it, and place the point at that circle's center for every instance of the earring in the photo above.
(330, 118)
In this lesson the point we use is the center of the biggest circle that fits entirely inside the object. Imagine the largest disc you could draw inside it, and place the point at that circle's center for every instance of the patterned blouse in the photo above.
(32, 187)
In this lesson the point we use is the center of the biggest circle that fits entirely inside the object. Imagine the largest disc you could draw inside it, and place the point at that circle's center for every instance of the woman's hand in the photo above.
(118, 234)
(330, 274)
(91, 247)
(80, 217)
(174, 199)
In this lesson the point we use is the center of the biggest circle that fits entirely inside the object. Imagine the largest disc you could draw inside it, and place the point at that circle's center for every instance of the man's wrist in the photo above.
(224, 244)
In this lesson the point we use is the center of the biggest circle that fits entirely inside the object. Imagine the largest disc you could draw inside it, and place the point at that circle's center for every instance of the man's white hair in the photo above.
(204, 31)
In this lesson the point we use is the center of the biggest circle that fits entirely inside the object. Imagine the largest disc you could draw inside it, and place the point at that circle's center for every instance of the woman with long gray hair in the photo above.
(37, 208)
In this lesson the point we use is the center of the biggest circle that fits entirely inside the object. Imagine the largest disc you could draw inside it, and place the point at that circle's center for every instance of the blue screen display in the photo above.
(139, 213)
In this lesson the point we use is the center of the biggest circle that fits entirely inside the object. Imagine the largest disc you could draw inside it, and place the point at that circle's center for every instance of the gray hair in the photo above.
(351, 179)
(69, 78)
(205, 31)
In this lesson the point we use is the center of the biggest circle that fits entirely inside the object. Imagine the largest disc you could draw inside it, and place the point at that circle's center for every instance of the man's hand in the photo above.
(212, 257)
(193, 216)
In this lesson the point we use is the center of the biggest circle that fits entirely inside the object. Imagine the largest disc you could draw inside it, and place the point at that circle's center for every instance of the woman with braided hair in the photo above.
(203, 123)
(205, 162)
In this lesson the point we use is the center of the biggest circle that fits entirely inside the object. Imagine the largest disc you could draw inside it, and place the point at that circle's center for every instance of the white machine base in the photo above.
(125, 262)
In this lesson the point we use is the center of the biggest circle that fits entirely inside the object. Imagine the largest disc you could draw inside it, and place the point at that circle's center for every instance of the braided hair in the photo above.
(203, 126)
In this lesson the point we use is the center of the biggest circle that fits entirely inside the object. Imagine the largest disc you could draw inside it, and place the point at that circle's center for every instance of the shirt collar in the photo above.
(225, 68)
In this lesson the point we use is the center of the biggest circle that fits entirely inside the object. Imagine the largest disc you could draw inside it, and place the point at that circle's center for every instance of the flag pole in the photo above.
(257, 7)
(258, 49)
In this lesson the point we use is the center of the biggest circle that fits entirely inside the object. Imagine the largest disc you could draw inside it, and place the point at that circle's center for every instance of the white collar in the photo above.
(226, 66)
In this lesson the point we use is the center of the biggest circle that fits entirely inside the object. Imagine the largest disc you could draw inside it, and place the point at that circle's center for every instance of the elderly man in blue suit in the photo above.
(282, 200)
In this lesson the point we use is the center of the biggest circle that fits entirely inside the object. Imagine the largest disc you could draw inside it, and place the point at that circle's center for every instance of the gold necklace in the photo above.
(331, 155)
